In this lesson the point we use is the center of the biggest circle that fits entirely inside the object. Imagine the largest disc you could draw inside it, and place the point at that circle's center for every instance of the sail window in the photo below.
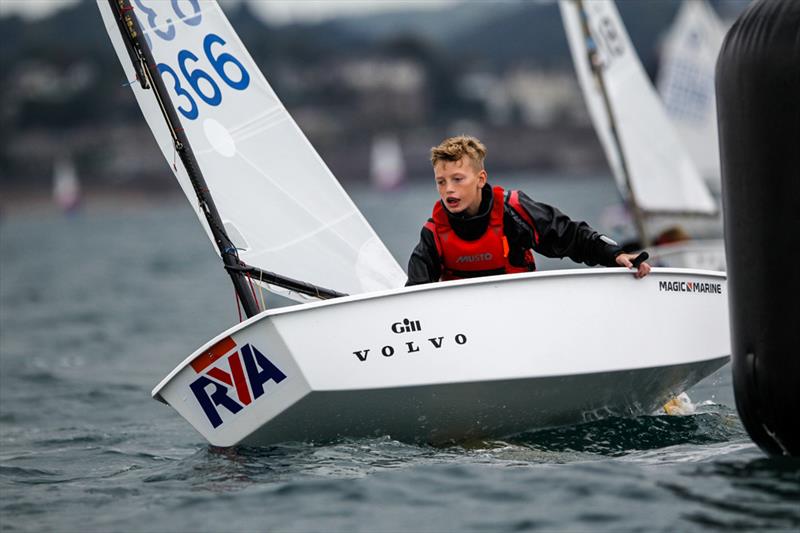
(219, 138)
(236, 236)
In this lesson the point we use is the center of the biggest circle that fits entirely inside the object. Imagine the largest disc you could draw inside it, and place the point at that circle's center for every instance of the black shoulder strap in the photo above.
(514, 214)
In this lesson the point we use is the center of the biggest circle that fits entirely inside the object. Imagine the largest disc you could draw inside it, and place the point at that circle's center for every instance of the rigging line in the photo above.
(238, 307)
(261, 290)
(597, 67)
(252, 290)
(293, 285)
(149, 75)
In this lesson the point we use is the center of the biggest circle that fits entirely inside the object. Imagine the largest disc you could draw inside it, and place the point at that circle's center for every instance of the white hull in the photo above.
(478, 358)
(704, 254)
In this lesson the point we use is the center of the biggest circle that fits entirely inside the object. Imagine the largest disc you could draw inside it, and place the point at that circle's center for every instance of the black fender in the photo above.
(758, 112)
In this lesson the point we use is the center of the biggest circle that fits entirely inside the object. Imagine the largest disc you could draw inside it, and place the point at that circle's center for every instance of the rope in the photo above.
(252, 290)
(238, 308)
(175, 147)
(261, 292)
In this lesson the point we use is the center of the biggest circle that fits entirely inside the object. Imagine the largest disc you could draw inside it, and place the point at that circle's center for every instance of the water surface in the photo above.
(96, 309)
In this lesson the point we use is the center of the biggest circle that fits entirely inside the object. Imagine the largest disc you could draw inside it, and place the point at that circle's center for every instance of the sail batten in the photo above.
(266, 179)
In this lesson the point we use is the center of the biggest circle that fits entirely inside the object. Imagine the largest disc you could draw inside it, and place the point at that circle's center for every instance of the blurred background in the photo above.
(95, 309)
(372, 84)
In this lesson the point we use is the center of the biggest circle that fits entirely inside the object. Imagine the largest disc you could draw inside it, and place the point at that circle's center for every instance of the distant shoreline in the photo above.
(15, 201)
(36, 199)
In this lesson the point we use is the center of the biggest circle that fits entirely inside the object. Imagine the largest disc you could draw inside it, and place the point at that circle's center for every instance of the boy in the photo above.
(480, 230)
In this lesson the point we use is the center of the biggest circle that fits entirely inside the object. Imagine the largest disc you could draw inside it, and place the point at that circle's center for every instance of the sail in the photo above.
(661, 177)
(387, 168)
(686, 82)
(66, 186)
(280, 204)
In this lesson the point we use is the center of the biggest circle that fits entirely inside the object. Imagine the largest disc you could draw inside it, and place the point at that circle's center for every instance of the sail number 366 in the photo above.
(201, 83)
(193, 84)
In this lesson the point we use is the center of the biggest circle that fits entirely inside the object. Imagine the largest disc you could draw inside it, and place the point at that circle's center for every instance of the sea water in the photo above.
(96, 309)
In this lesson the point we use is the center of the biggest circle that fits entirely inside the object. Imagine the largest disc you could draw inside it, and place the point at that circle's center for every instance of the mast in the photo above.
(597, 69)
(239, 272)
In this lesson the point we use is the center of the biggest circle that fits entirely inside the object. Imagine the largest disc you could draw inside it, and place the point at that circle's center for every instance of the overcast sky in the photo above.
(276, 11)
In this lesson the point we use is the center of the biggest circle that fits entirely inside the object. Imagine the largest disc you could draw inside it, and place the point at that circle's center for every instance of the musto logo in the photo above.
(246, 371)
(474, 258)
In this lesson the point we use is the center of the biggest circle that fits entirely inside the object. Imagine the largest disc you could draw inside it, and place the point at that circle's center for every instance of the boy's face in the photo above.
(459, 184)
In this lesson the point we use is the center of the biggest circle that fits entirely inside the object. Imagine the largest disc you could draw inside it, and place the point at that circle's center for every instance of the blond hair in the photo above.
(454, 148)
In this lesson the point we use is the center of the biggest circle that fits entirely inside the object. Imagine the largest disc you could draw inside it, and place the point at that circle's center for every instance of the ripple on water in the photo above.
(15, 473)
(82, 448)
(616, 437)
(39, 376)
(72, 437)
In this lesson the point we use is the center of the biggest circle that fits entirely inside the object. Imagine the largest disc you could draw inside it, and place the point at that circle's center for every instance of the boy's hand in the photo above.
(624, 260)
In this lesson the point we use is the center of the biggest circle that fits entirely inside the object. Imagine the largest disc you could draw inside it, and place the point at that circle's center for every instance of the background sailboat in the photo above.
(66, 186)
(387, 166)
(686, 83)
(659, 182)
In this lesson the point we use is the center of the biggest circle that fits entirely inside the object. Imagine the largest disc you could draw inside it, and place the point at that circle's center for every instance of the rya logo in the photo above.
(246, 371)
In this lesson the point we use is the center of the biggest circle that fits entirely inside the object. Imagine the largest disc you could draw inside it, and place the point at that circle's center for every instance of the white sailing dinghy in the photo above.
(654, 172)
(465, 359)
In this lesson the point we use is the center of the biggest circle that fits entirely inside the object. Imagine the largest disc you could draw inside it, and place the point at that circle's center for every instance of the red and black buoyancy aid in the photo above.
(487, 255)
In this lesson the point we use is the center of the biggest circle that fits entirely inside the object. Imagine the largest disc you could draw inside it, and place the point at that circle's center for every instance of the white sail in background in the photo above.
(686, 83)
(387, 168)
(66, 187)
(281, 205)
(662, 175)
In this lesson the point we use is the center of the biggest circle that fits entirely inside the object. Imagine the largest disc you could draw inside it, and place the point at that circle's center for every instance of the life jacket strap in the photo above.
(519, 214)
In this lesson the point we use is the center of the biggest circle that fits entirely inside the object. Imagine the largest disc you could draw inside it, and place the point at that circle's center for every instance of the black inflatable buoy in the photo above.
(758, 105)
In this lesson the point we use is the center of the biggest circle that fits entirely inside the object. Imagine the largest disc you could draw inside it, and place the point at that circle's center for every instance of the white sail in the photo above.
(387, 168)
(66, 186)
(662, 176)
(686, 83)
(281, 205)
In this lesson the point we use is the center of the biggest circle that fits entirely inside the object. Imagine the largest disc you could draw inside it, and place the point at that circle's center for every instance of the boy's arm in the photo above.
(424, 265)
(560, 236)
